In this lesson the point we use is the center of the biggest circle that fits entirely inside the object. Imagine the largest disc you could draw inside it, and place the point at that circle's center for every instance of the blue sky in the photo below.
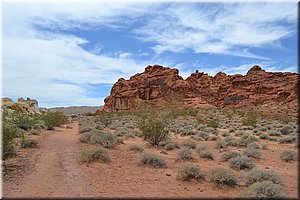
(65, 54)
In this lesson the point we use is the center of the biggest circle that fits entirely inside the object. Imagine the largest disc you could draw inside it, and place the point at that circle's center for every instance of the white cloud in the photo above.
(219, 29)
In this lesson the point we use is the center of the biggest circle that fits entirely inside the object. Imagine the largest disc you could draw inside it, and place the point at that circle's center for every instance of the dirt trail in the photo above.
(56, 169)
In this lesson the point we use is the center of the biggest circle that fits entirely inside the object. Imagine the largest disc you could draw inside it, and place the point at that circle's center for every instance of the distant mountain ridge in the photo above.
(163, 86)
(76, 109)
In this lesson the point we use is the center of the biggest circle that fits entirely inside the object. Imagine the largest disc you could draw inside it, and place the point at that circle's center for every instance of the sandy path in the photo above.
(56, 170)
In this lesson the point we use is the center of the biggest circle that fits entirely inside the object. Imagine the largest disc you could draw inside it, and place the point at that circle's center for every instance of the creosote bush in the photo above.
(53, 119)
(288, 155)
(152, 160)
(222, 176)
(259, 175)
(264, 189)
(153, 129)
(94, 154)
(190, 171)
(8, 148)
(250, 119)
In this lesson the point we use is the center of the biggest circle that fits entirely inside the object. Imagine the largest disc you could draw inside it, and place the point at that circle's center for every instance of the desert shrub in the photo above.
(231, 130)
(53, 119)
(85, 129)
(220, 143)
(253, 145)
(191, 144)
(274, 133)
(200, 147)
(206, 154)
(230, 154)
(286, 130)
(222, 176)
(23, 120)
(171, 145)
(107, 140)
(252, 152)
(34, 132)
(288, 155)
(121, 131)
(289, 139)
(99, 126)
(264, 189)
(264, 136)
(8, 148)
(225, 134)
(29, 143)
(85, 137)
(153, 130)
(201, 135)
(214, 123)
(104, 118)
(185, 154)
(136, 148)
(231, 141)
(259, 175)
(93, 154)
(250, 119)
(241, 162)
(151, 159)
(190, 171)
(244, 140)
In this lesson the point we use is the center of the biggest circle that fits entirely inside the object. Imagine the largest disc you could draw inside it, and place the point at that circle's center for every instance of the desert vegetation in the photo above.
(225, 148)
(237, 139)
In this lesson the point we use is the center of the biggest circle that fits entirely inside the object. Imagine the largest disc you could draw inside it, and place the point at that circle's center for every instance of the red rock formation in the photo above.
(159, 86)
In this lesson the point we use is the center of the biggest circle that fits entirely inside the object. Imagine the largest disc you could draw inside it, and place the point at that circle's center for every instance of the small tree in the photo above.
(153, 129)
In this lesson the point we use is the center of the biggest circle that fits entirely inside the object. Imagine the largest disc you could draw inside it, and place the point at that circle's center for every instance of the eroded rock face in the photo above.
(160, 86)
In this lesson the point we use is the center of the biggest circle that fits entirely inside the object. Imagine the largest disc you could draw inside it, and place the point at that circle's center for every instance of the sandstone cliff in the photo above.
(160, 86)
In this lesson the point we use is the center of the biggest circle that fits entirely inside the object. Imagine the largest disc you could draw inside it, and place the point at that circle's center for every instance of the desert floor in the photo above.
(54, 170)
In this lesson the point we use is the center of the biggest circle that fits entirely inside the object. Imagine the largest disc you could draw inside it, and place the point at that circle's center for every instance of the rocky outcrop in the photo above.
(160, 86)
(28, 105)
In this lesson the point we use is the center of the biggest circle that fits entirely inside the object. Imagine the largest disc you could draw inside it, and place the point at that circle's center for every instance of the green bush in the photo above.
(222, 176)
(93, 154)
(189, 171)
(153, 130)
(259, 175)
(105, 118)
(214, 123)
(288, 155)
(171, 145)
(23, 120)
(206, 154)
(53, 119)
(264, 189)
(152, 160)
(241, 162)
(8, 148)
(250, 119)
(29, 143)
